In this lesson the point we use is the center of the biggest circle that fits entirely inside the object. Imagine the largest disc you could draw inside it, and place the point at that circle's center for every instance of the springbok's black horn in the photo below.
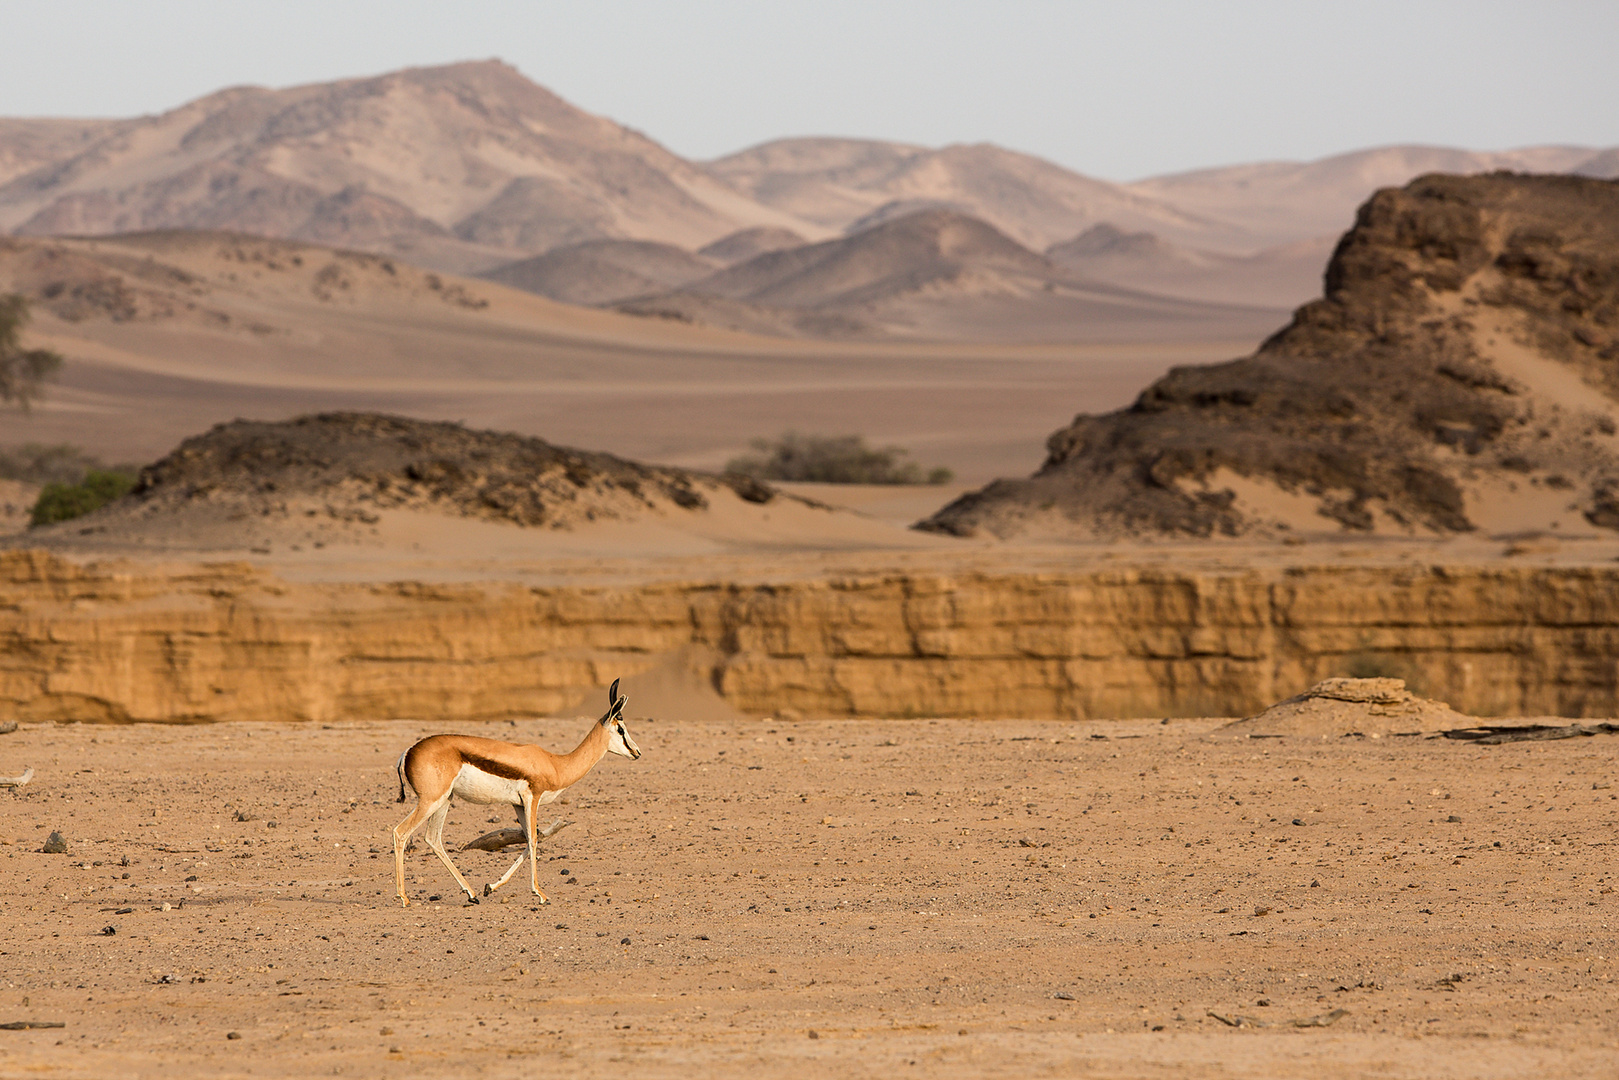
(612, 693)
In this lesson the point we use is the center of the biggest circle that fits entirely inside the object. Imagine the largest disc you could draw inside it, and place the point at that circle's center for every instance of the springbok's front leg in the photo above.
(488, 889)
(530, 807)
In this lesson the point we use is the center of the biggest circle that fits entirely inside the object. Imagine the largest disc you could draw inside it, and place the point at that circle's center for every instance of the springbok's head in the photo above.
(618, 738)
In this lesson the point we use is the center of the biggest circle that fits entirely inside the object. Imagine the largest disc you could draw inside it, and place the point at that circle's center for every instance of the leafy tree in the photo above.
(841, 459)
(22, 371)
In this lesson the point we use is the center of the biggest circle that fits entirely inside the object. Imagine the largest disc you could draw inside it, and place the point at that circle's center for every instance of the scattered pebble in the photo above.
(233, 1034)
(55, 845)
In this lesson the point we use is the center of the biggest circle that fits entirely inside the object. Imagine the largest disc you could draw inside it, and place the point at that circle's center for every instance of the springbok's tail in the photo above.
(399, 767)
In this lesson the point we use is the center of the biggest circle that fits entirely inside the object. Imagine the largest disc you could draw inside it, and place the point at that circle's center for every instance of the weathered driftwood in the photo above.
(1495, 735)
(1322, 1020)
(501, 839)
(17, 781)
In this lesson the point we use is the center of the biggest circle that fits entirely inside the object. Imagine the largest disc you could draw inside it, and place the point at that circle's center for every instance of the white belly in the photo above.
(475, 785)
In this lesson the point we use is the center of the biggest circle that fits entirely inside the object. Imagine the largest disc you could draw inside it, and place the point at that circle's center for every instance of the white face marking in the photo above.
(619, 741)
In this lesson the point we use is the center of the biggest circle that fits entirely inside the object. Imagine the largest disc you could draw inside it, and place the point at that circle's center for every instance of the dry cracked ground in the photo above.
(927, 898)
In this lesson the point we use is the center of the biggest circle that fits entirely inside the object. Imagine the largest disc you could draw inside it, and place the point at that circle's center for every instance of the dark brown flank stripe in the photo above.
(493, 767)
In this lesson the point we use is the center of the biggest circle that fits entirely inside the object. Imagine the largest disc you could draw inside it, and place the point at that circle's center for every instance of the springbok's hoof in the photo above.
(472, 899)
(489, 890)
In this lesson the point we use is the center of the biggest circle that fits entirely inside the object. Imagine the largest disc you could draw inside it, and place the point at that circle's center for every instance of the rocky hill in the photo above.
(1460, 372)
(456, 167)
(325, 474)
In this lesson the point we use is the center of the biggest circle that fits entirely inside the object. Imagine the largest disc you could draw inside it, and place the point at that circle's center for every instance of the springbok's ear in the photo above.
(612, 694)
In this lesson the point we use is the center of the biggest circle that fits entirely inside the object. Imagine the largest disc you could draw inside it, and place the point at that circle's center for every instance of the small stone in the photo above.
(1298, 821)
(233, 1034)
(386, 1031)
(624, 941)
(814, 1034)
(1263, 1001)
(55, 845)
(1063, 995)
(108, 931)
(1453, 819)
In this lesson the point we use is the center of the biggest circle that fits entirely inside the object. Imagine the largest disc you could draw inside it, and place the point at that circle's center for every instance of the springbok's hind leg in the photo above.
(435, 840)
(402, 833)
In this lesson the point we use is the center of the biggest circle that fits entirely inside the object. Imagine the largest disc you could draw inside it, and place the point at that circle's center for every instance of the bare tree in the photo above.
(22, 371)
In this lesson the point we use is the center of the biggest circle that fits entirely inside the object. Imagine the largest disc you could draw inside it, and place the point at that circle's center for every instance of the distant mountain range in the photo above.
(472, 168)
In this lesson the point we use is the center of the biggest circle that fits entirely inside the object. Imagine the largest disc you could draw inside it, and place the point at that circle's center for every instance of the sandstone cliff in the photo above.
(227, 642)
(1461, 371)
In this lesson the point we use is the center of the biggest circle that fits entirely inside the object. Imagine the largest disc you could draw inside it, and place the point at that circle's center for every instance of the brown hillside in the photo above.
(938, 274)
(1462, 371)
(604, 271)
(744, 244)
(487, 163)
(1282, 277)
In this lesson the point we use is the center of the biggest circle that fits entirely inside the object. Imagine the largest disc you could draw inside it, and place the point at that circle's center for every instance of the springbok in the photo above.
(490, 771)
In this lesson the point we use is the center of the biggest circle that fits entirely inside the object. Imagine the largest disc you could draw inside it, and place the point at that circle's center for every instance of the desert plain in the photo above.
(978, 799)
(763, 897)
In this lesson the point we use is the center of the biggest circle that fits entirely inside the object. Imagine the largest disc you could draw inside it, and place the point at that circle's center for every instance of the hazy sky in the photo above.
(1114, 89)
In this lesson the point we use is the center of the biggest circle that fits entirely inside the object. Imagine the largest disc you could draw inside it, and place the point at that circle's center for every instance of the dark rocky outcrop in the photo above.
(352, 464)
(1466, 348)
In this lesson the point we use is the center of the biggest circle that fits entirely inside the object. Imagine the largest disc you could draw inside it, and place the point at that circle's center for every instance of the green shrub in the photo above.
(842, 459)
(63, 502)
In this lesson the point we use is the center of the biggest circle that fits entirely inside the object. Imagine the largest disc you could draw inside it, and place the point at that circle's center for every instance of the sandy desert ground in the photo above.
(761, 897)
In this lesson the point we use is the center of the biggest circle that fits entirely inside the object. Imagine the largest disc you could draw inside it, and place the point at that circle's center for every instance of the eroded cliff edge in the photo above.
(109, 643)
(1460, 371)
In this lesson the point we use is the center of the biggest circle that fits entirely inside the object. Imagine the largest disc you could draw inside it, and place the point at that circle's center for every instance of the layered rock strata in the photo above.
(228, 642)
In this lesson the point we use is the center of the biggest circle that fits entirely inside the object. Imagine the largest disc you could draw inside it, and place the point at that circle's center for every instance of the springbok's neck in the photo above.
(572, 766)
